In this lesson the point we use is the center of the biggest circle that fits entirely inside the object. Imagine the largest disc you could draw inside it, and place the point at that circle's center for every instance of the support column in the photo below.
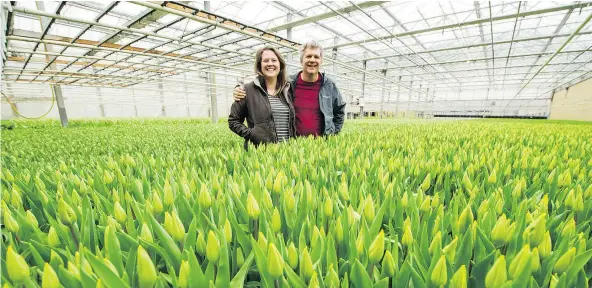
(334, 56)
(212, 80)
(135, 102)
(383, 88)
(408, 106)
(11, 95)
(57, 89)
(398, 97)
(100, 95)
(162, 107)
(362, 100)
(186, 95)
(289, 36)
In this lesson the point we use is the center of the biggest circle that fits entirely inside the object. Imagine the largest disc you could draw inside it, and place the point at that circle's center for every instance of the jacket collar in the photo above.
(294, 77)
(260, 82)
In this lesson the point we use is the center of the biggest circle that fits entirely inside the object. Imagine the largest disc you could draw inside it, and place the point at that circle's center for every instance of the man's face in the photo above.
(312, 60)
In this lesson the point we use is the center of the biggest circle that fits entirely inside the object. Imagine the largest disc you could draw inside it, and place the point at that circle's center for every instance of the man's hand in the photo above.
(239, 93)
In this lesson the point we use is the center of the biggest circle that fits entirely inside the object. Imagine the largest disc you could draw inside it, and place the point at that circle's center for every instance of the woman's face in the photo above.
(270, 65)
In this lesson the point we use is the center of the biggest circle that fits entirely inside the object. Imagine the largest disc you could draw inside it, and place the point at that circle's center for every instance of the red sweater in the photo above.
(309, 118)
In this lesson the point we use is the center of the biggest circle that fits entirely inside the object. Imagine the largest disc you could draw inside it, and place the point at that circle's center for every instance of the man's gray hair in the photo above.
(310, 45)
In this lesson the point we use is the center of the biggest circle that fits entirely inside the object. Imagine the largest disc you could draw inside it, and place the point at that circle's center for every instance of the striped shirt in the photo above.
(281, 116)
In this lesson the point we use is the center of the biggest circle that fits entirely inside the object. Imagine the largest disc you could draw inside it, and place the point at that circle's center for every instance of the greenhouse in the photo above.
(296, 144)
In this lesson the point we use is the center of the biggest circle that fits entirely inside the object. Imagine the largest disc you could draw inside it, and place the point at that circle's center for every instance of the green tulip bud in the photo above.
(554, 281)
(405, 200)
(427, 181)
(328, 207)
(275, 262)
(107, 177)
(262, 241)
(492, 177)
(276, 221)
(369, 211)
(521, 261)
(536, 230)
(588, 193)
(360, 242)
(227, 231)
(205, 200)
(53, 240)
(174, 226)
(120, 215)
(31, 219)
(439, 275)
(436, 244)
(240, 257)
(450, 249)
(17, 267)
(146, 234)
(497, 276)
(201, 244)
(213, 248)
(292, 256)
(565, 261)
(66, 213)
(388, 264)
(157, 203)
(278, 183)
(499, 232)
(425, 205)
(536, 262)
(569, 230)
(50, 278)
(306, 269)
(465, 220)
(146, 271)
(459, 279)
(331, 279)
(376, 249)
(168, 194)
(252, 207)
(9, 221)
(269, 181)
(184, 274)
(546, 245)
(407, 239)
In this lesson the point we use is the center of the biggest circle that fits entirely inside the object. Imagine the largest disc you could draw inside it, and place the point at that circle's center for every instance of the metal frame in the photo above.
(397, 56)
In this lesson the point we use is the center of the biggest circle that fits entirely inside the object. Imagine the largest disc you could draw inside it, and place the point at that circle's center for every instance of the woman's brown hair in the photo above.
(282, 76)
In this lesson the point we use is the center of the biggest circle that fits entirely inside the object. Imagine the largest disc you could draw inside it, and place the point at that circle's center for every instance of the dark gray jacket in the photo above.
(257, 110)
(330, 101)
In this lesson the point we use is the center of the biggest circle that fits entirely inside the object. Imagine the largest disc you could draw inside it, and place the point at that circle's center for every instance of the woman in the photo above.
(268, 106)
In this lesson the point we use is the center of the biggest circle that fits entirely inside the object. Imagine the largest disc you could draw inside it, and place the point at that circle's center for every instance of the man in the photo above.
(319, 107)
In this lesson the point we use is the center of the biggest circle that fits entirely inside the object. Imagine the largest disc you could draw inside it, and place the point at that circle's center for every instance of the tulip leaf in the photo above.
(465, 251)
(223, 272)
(293, 278)
(359, 276)
(166, 241)
(383, 283)
(579, 262)
(240, 276)
(107, 276)
(480, 269)
(196, 277)
(67, 279)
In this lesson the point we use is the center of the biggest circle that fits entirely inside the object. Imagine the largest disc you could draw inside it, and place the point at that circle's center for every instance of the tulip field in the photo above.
(180, 203)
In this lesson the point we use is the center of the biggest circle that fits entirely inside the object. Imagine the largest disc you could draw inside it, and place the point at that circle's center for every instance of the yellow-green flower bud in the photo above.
(439, 275)
(9, 221)
(269, 182)
(252, 207)
(407, 239)
(227, 231)
(306, 269)
(497, 276)
(156, 203)
(316, 234)
(436, 244)
(146, 234)
(275, 262)
(339, 234)
(465, 220)
(521, 261)
(545, 246)
(459, 279)
(328, 207)
(450, 249)
(240, 257)
(184, 274)
(369, 212)
(50, 278)
(66, 213)
(168, 196)
(388, 264)
(554, 281)
(536, 230)
(492, 177)
(331, 279)
(360, 241)
(119, 212)
(17, 267)
(107, 177)
(205, 200)
(53, 240)
(425, 205)
(15, 199)
(276, 221)
(569, 230)
(201, 244)
(376, 249)
(588, 192)
(499, 232)
(278, 183)
(74, 270)
(292, 256)
(174, 226)
(427, 181)
(262, 241)
(314, 281)
(564, 262)
(536, 262)
(213, 248)
(32, 219)
(146, 271)
(289, 201)
(405, 200)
